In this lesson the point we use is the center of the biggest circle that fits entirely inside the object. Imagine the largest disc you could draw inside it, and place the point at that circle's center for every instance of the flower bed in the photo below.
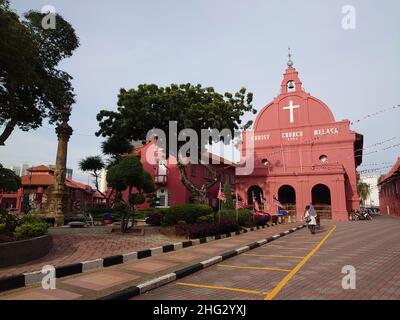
(14, 229)
(201, 230)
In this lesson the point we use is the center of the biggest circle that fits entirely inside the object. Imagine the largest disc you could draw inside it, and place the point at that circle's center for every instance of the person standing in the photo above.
(310, 217)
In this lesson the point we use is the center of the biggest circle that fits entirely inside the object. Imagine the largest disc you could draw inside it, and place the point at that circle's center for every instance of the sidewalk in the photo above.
(137, 273)
(76, 245)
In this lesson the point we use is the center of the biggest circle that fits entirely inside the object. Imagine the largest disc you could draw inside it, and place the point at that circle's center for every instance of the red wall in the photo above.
(389, 197)
(179, 194)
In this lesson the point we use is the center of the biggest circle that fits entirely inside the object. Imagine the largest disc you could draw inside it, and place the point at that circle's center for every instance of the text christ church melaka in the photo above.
(302, 155)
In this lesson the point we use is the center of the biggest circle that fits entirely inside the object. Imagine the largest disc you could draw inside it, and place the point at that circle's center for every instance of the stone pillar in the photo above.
(57, 203)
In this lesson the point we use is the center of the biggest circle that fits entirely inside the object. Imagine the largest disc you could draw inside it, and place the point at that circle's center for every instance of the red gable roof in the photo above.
(394, 170)
(45, 179)
(41, 168)
(44, 176)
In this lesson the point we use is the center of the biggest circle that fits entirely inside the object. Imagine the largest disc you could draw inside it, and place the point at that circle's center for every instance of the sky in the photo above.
(228, 45)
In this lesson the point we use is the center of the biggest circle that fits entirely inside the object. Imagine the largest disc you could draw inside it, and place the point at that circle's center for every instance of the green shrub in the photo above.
(32, 219)
(10, 221)
(155, 219)
(148, 212)
(187, 212)
(31, 230)
(200, 230)
(120, 209)
(2, 228)
(228, 213)
(244, 216)
(206, 219)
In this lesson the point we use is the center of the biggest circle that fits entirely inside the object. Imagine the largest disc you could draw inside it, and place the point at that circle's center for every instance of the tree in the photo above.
(149, 106)
(9, 181)
(128, 174)
(363, 191)
(228, 204)
(31, 86)
(94, 165)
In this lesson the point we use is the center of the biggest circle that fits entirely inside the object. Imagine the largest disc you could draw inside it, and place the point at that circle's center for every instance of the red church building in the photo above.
(302, 155)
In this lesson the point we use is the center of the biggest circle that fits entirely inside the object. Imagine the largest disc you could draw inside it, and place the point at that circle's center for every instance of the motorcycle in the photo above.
(364, 215)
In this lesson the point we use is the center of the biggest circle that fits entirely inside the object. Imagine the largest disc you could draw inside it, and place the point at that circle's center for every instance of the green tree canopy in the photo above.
(31, 86)
(94, 165)
(129, 174)
(191, 106)
(9, 181)
(228, 204)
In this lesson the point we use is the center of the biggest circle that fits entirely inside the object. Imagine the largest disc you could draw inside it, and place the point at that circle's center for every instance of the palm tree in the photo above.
(363, 191)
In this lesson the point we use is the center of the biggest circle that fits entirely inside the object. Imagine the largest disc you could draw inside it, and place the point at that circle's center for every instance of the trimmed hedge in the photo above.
(155, 219)
(205, 219)
(9, 221)
(30, 226)
(201, 230)
(148, 212)
(261, 220)
(31, 230)
(245, 216)
(189, 213)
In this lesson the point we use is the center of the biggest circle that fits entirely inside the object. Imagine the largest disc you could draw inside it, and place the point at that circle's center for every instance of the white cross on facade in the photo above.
(291, 107)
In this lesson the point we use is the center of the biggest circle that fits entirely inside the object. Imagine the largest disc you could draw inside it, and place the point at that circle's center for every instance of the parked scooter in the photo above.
(364, 215)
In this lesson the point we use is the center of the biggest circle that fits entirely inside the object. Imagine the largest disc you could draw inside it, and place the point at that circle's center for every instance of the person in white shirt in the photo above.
(310, 217)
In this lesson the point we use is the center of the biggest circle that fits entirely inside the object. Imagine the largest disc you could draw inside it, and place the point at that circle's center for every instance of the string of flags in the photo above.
(375, 114)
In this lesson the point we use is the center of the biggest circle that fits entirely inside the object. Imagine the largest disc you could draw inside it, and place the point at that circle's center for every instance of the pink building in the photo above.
(167, 177)
(389, 191)
(302, 155)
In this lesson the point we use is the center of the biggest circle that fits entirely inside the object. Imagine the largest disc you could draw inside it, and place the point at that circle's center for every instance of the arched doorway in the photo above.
(255, 191)
(321, 200)
(287, 197)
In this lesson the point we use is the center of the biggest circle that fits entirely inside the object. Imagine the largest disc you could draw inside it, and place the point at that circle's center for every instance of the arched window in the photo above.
(255, 191)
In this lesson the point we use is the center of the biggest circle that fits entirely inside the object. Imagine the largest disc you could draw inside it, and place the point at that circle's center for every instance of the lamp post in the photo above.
(58, 197)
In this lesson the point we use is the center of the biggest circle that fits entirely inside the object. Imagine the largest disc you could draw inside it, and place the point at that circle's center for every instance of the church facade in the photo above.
(302, 155)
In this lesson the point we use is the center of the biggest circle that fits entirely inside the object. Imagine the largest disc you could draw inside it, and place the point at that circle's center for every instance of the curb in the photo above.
(178, 274)
(30, 278)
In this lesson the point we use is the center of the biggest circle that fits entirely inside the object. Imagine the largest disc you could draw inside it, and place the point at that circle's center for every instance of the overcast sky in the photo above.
(225, 44)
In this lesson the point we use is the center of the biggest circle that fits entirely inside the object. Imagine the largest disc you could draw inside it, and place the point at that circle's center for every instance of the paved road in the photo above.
(304, 266)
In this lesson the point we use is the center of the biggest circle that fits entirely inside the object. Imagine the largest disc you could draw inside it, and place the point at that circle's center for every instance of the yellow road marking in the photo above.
(220, 288)
(289, 276)
(254, 268)
(282, 247)
(271, 255)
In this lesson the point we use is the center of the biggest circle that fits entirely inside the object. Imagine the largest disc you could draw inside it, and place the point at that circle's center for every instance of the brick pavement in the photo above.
(99, 283)
(76, 245)
(372, 247)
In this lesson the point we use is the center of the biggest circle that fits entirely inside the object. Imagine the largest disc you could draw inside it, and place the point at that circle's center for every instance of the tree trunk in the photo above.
(7, 132)
(96, 182)
(199, 194)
